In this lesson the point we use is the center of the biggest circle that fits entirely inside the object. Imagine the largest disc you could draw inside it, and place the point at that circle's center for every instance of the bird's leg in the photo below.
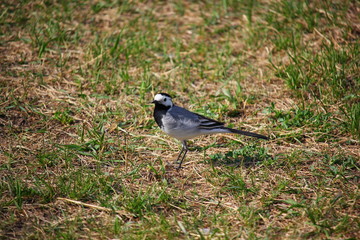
(184, 151)
(181, 152)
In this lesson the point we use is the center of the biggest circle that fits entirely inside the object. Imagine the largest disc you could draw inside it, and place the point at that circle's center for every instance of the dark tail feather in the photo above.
(246, 133)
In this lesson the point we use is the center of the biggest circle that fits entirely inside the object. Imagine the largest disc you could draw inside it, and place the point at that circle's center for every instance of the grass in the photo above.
(82, 158)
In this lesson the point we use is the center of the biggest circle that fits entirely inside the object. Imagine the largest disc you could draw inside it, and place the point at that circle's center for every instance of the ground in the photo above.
(81, 156)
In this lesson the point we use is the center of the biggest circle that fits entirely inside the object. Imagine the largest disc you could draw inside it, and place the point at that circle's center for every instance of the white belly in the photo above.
(186, 129)
(182, 131)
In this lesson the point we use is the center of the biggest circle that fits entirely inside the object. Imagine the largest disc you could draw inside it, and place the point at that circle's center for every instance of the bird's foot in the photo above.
(173, 165)
(176, 164)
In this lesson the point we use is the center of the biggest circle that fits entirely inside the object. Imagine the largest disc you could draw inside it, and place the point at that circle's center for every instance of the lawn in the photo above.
(81, 156)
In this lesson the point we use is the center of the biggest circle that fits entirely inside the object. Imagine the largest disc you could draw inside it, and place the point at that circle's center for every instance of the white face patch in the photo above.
(164, 100)
(158, 97)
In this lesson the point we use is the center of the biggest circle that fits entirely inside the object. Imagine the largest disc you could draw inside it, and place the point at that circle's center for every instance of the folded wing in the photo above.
(208, 123)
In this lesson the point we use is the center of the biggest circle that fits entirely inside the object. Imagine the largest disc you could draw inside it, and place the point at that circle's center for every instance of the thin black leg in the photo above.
(177, 159)
(184, 150)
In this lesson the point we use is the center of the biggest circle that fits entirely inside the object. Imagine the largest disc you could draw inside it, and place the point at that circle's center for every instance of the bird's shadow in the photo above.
(247, 156)
(246, 161)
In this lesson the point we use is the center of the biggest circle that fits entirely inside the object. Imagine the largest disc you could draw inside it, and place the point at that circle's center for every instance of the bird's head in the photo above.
(163, 99)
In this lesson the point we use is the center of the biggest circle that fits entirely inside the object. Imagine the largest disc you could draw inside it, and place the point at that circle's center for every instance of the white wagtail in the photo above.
(183, 124)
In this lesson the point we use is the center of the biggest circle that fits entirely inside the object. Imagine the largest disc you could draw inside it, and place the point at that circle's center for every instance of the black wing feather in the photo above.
(208, 123)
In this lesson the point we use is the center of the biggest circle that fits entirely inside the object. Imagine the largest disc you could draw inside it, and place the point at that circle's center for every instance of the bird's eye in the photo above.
(164, 99)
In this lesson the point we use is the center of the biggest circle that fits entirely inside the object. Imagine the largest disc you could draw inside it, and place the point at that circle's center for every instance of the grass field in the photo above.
(81, 156)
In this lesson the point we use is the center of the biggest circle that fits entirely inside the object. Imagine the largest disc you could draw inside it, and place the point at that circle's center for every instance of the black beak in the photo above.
(154, 101)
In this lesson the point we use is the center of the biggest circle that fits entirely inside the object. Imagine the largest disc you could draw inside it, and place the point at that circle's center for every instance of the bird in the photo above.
(183, 124)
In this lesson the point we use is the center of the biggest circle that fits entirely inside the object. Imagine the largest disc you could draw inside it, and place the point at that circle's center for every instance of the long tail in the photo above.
(251, 134)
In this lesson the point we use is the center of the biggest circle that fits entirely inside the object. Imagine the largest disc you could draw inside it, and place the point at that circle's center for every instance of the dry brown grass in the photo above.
(134, 158)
